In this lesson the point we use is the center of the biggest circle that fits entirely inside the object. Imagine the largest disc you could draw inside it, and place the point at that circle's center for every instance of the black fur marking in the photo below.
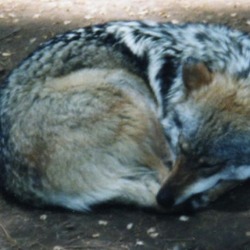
(244, 74)
(108, 39)
(140, 64)
(137, 36)
(177, 121)
(166, 75)
(201, 37)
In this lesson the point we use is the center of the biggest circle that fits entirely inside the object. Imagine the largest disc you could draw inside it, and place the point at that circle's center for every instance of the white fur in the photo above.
(198, 187)
(122, 190)
(203, 184)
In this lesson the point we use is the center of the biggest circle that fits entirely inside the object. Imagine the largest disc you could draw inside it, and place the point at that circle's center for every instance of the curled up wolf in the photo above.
(145, 113)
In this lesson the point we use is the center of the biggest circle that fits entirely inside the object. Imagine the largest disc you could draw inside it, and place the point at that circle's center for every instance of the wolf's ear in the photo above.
(195, 74)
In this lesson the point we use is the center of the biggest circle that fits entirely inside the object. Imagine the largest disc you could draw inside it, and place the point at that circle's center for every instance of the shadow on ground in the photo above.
(224, 225)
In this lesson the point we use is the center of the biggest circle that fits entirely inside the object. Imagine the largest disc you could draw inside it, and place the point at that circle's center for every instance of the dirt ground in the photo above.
(224, 225)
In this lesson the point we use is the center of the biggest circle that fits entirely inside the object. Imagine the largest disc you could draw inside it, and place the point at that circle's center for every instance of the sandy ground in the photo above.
(224, 225)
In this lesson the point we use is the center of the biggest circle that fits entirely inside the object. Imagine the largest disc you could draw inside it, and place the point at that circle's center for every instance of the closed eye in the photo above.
(208, 169)
(209, 161)
(206, 165)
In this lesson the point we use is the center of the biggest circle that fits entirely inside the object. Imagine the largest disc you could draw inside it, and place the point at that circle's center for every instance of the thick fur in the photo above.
(156, 54)
(213, 145)
(89, 137)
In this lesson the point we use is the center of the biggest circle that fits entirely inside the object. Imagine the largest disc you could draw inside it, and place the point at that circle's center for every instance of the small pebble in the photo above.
(43, 217)
(154, 235)
(103, 222)
(143, 12)
(36, 16)
(58, 248)
(130, 226)
(184, 218)
(88, 17)
(248, 234)
(6, 54)
(139, 243)
(151, 230)
(174, 21)
(32, 40)
(13, 15)
(248, 22)
(96, 235)
(66, 22)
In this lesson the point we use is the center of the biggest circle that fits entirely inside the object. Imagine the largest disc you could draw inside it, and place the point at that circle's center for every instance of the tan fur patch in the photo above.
(226, 94)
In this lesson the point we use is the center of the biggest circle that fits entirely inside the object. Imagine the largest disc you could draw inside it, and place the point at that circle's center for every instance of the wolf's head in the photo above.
(209, 131)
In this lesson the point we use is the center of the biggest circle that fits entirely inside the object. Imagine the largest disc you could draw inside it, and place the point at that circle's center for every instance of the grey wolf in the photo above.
(173, 63)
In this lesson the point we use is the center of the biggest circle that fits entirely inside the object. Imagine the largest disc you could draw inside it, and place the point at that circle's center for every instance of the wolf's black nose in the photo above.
(165, 197)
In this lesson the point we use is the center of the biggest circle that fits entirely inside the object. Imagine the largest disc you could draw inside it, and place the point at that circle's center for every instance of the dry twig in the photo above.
(12, 33)
(8, 237)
